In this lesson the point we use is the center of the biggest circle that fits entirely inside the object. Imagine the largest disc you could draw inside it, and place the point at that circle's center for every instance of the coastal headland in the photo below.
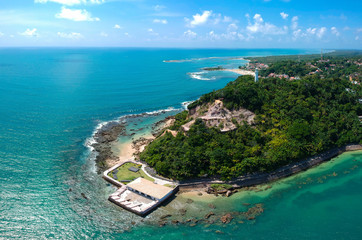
(222, 115)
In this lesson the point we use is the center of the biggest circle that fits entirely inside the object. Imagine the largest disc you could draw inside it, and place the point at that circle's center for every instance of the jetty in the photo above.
(140, 195)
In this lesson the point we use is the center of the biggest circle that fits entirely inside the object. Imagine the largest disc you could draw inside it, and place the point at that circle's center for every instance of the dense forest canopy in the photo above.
(294, 120)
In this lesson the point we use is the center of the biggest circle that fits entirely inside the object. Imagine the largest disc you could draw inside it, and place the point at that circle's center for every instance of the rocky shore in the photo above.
(108, 133)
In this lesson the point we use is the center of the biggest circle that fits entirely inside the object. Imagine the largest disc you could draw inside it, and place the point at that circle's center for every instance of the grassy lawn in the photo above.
(125, 174)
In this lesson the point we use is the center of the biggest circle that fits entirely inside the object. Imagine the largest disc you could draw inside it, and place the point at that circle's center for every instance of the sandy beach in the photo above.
(240, 71)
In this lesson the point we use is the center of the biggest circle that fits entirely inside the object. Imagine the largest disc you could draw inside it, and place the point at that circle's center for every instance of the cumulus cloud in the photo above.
(199, 19)
(284, 15)
(190, 34)
(335, 31)
(320, 33)
(72, 35)
(71, 2)
(76, 15)
(259, 26)
(29, 33)
(103, 34)
(163, 21)
(116, 26)
(311, 31)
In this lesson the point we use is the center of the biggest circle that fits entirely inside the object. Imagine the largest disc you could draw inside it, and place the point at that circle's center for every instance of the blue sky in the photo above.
(182, 23)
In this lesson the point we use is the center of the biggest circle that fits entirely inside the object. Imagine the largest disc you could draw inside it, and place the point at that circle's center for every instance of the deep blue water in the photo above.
(51, 100)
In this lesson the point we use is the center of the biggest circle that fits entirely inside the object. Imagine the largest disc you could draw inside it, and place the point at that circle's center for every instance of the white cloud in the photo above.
(30, 32)
(311, 31)
(116, 26)
(335, 31)
(103, 34)
(346, 28)
(159, 7)
(71, 2)
(259, 26)
(295, 22)
(284, 15)
(126, 34)
(190, 34)
(356, 38)
(73, 35)
(359, 30)
(232, 27)
(1, 34)
(199, 19)
(163, 21)
(321, 32)
(76, 15)
(297, 34)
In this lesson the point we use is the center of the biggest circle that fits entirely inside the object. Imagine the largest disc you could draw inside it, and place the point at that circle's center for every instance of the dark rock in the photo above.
(192, 224)
(219, 232)
(199, 194)
(246, 204)
(133, 222)
(175, 222)
(165, 216)
(70, 190)
(207, 216)
(84, 196)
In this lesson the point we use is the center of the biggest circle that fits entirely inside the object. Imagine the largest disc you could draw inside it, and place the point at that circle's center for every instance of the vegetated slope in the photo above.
(294, 119)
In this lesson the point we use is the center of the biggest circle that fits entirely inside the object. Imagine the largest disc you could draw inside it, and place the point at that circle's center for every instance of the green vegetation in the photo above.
(294, 120)
(218, 186)
(124, 175)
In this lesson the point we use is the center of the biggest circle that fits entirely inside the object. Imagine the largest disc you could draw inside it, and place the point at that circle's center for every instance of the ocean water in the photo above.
(51, 101)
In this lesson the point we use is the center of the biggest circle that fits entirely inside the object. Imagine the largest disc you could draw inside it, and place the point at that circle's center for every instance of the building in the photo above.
(149, 189)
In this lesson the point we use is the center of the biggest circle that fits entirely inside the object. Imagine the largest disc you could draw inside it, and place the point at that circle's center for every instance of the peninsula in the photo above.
(299, 114)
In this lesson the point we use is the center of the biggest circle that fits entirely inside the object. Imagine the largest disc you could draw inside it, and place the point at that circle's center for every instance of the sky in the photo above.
(182, 23)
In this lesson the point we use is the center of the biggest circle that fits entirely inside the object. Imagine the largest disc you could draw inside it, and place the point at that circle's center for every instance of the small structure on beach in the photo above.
(140, 196)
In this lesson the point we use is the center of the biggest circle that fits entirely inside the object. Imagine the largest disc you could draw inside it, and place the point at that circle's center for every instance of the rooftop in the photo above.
(147, 187)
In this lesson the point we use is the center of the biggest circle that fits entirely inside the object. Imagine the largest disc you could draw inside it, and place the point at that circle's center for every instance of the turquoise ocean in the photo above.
(53, 99)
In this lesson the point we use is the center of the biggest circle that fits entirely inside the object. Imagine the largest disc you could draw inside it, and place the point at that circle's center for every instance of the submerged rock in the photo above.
(226, 218)
(207, 216)
(212, 206)
(84, 196)
(165, 216)
(189, 200)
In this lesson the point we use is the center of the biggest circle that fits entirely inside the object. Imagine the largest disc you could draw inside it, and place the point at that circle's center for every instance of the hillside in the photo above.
(287, 121)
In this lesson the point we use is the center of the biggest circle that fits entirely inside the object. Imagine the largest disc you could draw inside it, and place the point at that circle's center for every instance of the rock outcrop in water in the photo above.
(104, 137)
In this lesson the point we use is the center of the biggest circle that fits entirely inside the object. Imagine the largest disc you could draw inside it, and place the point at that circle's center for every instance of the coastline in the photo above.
(264, 178)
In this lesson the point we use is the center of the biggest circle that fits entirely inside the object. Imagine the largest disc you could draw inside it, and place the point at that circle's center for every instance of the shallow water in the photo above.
(51, 100)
